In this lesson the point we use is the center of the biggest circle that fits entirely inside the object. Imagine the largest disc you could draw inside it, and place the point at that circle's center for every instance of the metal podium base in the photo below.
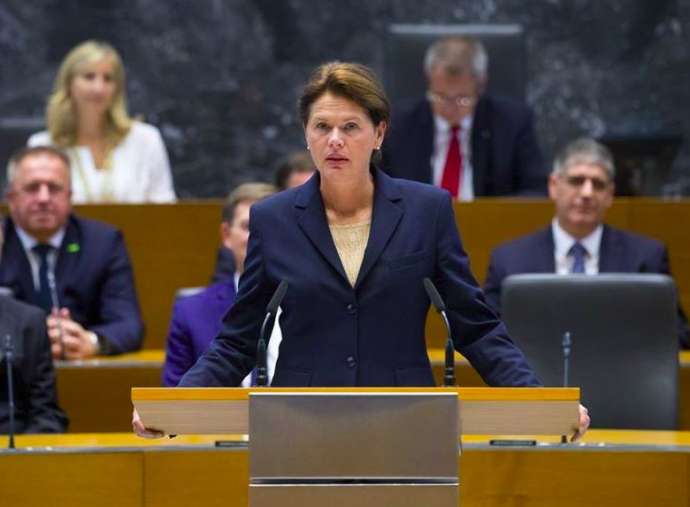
(348, 495)
(353, 448)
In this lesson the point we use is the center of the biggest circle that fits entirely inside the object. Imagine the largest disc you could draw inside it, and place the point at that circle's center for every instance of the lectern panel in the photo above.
(393, 495)
(406, 436)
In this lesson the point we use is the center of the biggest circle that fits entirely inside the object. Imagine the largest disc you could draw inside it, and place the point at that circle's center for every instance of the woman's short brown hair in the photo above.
(352, 81)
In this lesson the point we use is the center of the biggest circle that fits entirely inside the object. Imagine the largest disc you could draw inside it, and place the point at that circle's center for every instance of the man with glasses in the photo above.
(460, 138)
(76, 270)
(581, 186)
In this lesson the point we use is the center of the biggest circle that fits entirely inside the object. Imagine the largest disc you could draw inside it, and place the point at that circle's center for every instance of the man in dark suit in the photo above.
(460, 138)
(76, 269)
(197, 319)
(35, 396)
(577, 241)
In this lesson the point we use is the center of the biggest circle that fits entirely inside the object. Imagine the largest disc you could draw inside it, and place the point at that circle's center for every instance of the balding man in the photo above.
(76, 270)
(460, 138)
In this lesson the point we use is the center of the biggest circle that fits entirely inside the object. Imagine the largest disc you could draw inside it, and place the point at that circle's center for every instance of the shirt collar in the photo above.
(442, 126)
(564, 241)
(28, 241)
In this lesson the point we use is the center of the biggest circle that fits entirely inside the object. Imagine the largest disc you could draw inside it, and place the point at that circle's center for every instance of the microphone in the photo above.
(271, 309)
(9, 357)
(52, 286)
(566, 344)
(437, 301)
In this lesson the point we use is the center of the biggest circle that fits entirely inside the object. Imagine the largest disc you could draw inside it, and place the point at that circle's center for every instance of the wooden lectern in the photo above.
(366, 446)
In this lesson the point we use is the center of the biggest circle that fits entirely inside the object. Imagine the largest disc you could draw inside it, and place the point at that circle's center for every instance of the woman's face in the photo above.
(93, 86)
(341, 136)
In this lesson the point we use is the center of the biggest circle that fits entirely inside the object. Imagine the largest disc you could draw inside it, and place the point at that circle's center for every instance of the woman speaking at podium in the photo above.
(354, 246)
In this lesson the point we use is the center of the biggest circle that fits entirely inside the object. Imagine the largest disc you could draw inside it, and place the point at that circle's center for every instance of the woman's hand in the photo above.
(143, 431)
(582, 425)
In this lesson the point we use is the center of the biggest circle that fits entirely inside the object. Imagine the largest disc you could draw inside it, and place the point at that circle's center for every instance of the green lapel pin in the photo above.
(73, 247)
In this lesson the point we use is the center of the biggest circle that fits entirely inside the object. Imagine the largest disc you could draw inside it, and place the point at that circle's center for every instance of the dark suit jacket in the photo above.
(224, 270)
(369, 335)
(196, 321)
(506, 158)
(35, 397)
(94, 280)
(620, 252)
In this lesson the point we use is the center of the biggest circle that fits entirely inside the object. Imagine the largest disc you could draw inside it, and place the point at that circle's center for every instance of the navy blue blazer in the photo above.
(372, 334)
(35, 396)
(94, 280)
(506, 158)
(620, 252)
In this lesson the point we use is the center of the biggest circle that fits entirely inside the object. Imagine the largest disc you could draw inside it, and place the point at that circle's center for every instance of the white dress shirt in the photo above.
(442, 132)
(563, 242)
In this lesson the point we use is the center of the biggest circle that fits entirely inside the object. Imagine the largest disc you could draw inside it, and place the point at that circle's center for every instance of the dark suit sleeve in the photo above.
(529, 162)
(179, 354)
(45, 416)
(232, 355)
(492, 284)
(477, 332)
(120, 319)
(682, 321)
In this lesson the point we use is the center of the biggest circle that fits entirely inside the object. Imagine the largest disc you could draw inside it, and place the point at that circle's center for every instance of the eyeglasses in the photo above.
(458, 100)
(598, 184)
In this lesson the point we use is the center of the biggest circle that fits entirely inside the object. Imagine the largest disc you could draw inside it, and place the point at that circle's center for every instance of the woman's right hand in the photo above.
(143, 431)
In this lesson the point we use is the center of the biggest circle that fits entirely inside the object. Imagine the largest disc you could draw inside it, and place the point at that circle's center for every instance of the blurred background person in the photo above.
(35, 394)
(581, 187)
(114, 158)
(460, 138)
(77, 270)
(294, 170)
(197, 319)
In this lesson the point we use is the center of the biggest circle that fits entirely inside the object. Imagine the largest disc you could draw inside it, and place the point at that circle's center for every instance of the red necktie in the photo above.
(453, 168)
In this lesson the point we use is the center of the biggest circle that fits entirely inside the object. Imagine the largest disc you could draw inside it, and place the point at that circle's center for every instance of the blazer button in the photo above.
(351, 308)
(351, 363)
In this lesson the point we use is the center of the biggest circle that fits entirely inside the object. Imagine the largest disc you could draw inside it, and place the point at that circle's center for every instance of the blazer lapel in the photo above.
(68, 256)
(609, 252)
(385, 218)
(16, 270)
(312, 221)
(543, 256)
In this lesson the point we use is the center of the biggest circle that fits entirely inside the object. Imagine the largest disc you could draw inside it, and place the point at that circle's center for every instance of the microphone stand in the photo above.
(566, 345)
(261, 368)
(437, 301)
(9, 359)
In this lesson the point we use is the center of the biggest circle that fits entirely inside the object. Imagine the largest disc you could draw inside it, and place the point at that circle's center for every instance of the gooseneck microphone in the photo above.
(271, 309)
(566, 344)
(8, 349)
(435, 297)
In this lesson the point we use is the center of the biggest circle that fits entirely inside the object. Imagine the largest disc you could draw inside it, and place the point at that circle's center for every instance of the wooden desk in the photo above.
(106, 382)
(174, 246)
(608, 468)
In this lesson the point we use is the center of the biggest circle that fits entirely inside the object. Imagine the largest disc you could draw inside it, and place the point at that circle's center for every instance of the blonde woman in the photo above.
(114, 158)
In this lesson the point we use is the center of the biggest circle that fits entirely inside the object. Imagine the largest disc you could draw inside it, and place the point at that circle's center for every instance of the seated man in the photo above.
(35, 397)
(197, 319)
(577, 241)
(460, 138)
(76, 270)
